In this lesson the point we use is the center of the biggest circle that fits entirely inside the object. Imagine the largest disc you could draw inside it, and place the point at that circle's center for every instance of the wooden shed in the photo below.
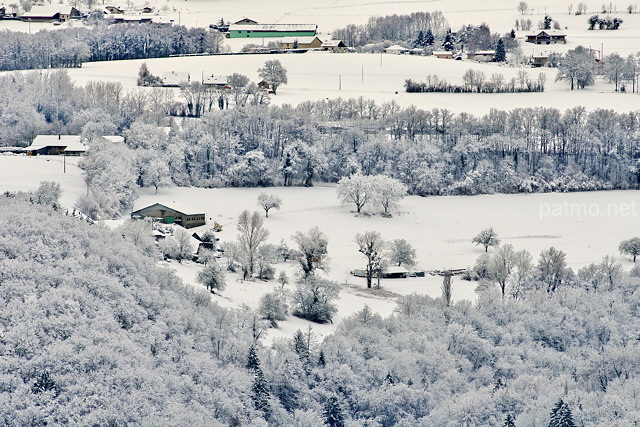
(172, 213)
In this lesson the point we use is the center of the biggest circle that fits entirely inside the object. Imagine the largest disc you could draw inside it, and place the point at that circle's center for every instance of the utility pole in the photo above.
(339, 82)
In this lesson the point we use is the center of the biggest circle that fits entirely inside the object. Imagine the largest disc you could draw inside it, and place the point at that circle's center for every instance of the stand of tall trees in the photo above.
(71, 47)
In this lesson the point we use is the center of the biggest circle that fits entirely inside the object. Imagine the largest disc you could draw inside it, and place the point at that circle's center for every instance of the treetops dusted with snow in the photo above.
(371, 190)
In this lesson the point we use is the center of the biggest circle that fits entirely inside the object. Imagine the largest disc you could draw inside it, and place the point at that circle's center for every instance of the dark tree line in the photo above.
(393, 27)
(73, 46)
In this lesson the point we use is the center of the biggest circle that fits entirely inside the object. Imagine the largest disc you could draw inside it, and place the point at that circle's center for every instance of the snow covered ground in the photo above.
(322, 75)
(587, 226)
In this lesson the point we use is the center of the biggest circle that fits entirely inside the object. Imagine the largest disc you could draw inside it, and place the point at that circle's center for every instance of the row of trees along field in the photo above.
(70, 47)
(151, 350)
(431, 151)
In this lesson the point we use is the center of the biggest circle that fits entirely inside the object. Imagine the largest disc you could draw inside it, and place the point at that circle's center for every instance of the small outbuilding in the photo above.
(443, 54)
(172, 213)
(334, 46)
(539, 60)
(396, 50)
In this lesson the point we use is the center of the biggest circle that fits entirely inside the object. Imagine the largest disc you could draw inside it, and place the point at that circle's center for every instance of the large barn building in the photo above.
(172, 213)
(237, 31)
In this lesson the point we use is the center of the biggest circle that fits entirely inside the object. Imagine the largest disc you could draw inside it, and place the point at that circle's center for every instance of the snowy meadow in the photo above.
(313, 195)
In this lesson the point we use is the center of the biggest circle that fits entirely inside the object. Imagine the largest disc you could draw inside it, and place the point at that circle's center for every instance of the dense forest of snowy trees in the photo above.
(71, 47)
(431, 151)
(93, 332)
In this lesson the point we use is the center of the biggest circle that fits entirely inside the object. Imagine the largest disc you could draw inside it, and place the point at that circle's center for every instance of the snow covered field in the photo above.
(587, 226)
(321, 75)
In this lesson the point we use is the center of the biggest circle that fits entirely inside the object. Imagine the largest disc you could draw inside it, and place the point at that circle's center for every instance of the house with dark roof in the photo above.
(546, 37)
(50, 13)
(69, 145)
(245, 21)
(334, 45)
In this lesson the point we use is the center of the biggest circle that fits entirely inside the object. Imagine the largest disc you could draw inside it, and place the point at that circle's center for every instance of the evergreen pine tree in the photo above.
(447, 44)
(419, 41)
(252, 360)
(296, 45)
(547, 22)
(321, 361)
(561, 415)
(510, 421)
(389, 379)
(512, 34)
(428, 38)
(501, 54)
(260, 393)
(332, 413)
(300, 346)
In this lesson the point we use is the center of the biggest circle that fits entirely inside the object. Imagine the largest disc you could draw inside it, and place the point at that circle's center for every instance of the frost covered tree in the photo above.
(487, 237)
(372, 246)
(355, 189)
(178, 246)
(523, 7)
(48, 194)
(156, 174)
(387, 191)
(212, 277)
(139, 233)
(501, 266)
(238, 83)
(274, 74)
(447, 288)
(273, 307)
(312, 247)
(630, 247)
(401, 253)
(552, 268)
(578, 66)
(314, 299)
(251, 234)
(268, 202)
(614, 66)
